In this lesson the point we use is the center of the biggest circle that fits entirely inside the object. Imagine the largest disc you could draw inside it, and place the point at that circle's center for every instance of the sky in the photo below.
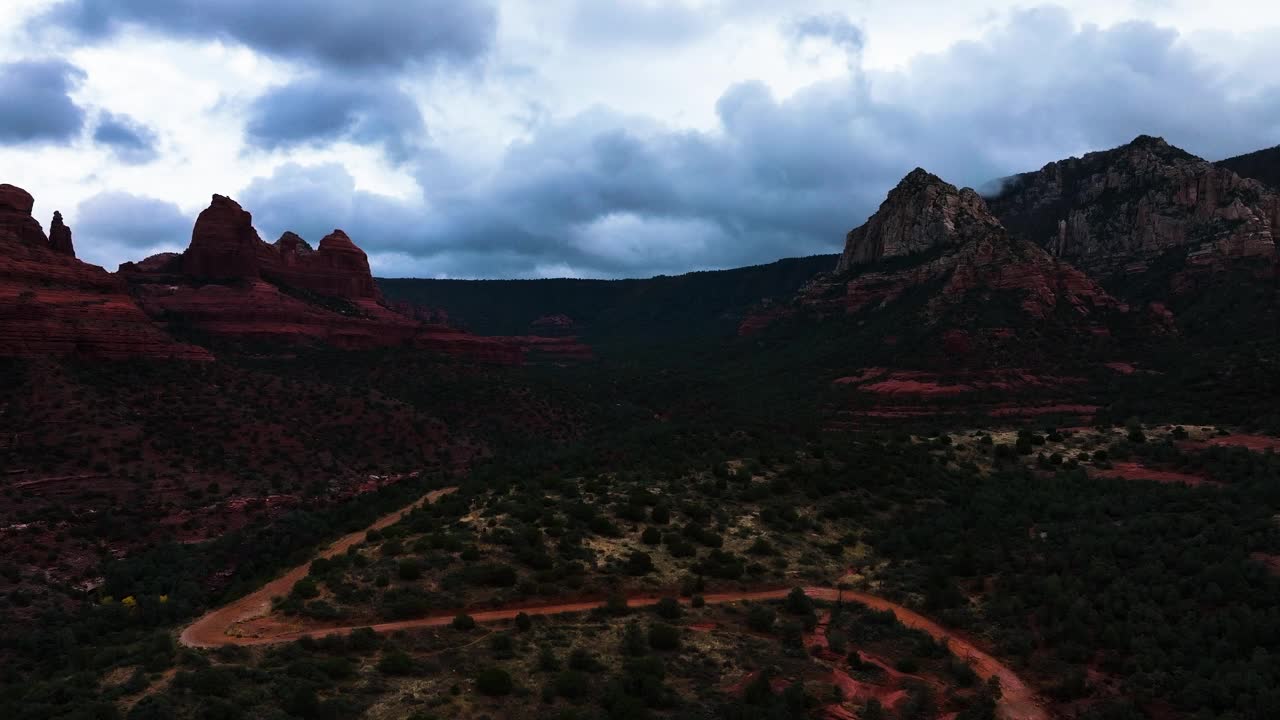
(590, 138)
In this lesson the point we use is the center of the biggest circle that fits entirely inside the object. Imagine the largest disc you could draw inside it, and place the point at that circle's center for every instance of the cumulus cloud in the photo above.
(37, 105)
(334, 33)
(112, 227)
(129, 140)
(321, 110)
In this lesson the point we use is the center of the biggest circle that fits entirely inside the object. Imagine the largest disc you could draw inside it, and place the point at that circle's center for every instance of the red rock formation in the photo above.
(230, 283)
(54, 304)
(224, 244)
(60, 236)
(559, 325)
(337, 267)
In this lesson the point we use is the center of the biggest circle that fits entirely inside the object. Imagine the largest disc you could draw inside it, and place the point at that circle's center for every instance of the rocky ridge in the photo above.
(230, 283)
(1114, 212)
(930, 233)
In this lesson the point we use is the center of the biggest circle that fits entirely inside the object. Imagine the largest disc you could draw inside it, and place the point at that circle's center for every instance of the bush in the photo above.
(494, 682)
(582, 659)
(651, 536)
(523, 622)
(664, 637)
(463, 622)
(395, 662)
(761, 618)
(639, 563)
(572, 684)
(698, 601)
(798, 603)
(668, 608)
(410, 569)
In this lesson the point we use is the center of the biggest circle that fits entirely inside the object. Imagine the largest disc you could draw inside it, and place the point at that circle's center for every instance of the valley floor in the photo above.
(248, 621)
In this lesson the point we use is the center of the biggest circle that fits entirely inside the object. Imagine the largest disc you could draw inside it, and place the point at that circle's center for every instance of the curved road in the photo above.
(214, 629)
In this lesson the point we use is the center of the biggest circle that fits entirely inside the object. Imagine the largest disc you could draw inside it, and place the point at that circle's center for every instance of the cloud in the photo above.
(112, 227)
(663, 23)
(334, 33)
(129, 140)
(613, 195)
(37, 105)
(836, 29)
(322, 110)
(607, 194)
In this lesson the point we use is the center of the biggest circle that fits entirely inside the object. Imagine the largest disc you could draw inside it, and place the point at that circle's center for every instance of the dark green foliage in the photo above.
(664, 637)
(494, 681)
(395, 662)
(761, 618)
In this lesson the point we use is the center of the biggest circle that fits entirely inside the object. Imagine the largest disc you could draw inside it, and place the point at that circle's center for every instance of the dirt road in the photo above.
(228, 625)
(211, 629)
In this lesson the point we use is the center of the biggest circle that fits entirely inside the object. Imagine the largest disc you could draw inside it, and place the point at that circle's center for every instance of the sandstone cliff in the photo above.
(53, 304)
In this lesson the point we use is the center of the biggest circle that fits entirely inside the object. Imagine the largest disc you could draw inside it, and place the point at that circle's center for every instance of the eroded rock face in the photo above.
(224, 244)
(931, 237)
(232, 284)
(53, 304)
(921, 214)
(60, 236)
(1115, 211)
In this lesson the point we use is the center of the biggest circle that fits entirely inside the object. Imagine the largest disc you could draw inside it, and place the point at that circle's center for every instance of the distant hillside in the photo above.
(663, 307)
(1261, 165)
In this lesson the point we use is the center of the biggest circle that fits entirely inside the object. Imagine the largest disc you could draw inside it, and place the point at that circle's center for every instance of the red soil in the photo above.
(1258, 443)
(1123, 368)
(856, 691)
(1015, 411)
(1136, 471)
(1270, 562)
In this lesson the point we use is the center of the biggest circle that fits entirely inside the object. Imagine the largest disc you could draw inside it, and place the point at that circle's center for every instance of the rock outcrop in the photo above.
(921, 214)
(224, 243)
(60, 236)
(225, 246)
(231, 284)
(929, 232)
(1114, 212)
(52, 304)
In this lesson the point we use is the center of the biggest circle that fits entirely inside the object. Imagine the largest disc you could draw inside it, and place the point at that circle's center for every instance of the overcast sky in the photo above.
(592, 138)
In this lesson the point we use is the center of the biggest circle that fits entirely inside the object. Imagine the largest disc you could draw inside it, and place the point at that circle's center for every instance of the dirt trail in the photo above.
(211, 629)
(214, 629)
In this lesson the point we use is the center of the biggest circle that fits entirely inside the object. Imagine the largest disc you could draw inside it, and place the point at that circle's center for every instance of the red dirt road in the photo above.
(224, 626)
(212, 628)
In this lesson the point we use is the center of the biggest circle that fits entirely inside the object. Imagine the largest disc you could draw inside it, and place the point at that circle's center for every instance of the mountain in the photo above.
(936, 258)
(1261, 165)
(53, 304)
(677, 307)
(1114, 212)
